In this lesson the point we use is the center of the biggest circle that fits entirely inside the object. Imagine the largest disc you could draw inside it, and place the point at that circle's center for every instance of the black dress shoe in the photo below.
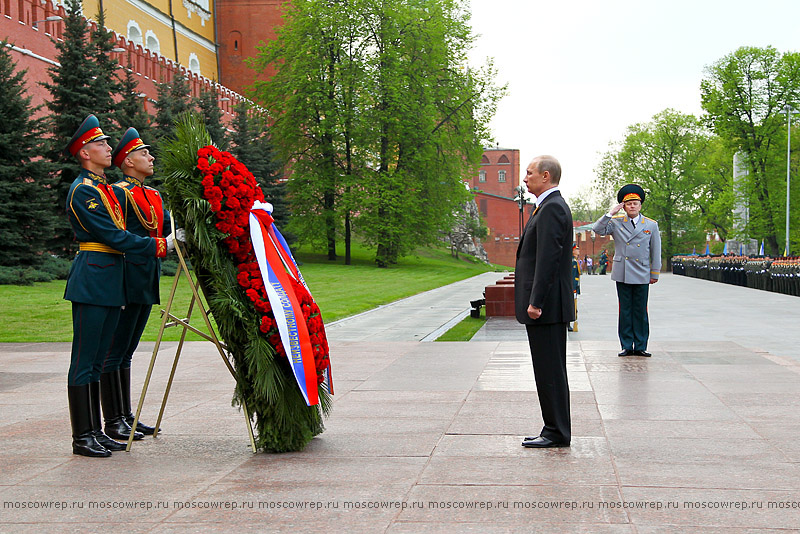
(626, 352)
(642, 353)
(542, 443)
(107, 442)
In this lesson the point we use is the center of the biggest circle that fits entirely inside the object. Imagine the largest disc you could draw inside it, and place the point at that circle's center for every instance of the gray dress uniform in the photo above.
(637, 254)
(637, 259)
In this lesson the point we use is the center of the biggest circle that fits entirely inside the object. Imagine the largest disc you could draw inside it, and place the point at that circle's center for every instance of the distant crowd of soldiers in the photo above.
(780, 275)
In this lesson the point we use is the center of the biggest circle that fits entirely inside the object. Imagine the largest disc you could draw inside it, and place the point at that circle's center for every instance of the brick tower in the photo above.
(241, 26)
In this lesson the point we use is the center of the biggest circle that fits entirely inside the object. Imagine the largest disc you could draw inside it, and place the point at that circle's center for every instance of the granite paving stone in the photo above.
(425, 436)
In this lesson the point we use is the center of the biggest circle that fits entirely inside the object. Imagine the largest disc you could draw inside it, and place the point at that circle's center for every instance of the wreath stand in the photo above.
(176, 321)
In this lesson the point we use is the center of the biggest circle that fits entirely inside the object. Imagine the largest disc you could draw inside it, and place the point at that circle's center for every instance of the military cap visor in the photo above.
(630, 192)
(88, 132)
(130, 142)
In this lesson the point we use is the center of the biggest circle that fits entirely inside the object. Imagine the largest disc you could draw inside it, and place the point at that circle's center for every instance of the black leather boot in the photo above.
(97, 425)
(111, 398)
(83, 441)
(125, 387)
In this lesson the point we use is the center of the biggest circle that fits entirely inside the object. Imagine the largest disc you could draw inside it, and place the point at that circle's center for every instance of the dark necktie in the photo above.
(633, 224)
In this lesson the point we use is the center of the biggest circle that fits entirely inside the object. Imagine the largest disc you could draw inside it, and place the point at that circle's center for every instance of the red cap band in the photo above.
(88, 137)
(130, 147)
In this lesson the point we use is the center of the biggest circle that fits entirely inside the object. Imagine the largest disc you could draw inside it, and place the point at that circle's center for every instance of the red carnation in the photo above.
(243, 279)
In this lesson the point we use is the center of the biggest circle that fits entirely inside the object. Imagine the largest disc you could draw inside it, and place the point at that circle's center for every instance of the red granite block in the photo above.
(500, 300)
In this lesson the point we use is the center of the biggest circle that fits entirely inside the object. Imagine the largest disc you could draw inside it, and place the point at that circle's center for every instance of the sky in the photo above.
(579, 72)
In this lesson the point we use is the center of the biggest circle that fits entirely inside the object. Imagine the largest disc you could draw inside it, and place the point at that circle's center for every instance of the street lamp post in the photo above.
(521, 200)
(789, 110)
(54, 18)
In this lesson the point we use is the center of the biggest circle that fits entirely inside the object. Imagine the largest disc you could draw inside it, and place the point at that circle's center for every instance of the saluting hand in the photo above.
(616, 208)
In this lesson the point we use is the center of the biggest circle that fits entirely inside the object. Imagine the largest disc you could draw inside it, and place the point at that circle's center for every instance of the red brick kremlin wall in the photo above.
(242, 25)
(502, 219)
(34, 50)
(495, 200)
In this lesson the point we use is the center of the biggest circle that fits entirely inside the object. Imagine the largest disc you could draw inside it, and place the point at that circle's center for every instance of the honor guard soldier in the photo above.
(95, 284)
(576, 284)
(637, 264)
(145, 216)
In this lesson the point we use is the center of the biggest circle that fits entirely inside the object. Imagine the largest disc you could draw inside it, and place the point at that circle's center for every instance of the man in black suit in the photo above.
(543, 298)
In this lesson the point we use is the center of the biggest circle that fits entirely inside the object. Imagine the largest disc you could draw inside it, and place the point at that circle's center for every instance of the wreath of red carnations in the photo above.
(231, 189)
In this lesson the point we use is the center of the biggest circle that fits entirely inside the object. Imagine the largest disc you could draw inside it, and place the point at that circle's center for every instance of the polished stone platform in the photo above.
(425, 437)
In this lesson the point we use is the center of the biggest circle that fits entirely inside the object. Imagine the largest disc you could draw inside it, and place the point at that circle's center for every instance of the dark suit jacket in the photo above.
(543, 276)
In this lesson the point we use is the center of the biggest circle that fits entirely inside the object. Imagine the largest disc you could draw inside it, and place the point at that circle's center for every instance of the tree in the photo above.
(714, 194)
(429, 116)
(173, 100)
(252, 146)
(375, 107)
(743, 94)
(130, 109)
(207, 104)
(26, 221)
(663, 156)
(314, 99)
(105, 85)
(72, 100)
(586, 207)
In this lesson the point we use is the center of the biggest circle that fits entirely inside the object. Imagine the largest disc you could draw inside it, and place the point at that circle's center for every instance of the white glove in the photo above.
(179, 234)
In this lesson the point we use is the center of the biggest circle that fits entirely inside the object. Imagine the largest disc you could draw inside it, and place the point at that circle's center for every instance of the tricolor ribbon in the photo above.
(277, 266)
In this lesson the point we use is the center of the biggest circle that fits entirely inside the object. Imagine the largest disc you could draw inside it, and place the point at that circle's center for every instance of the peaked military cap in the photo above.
(87, 132)
(630, 192)
(130, 142)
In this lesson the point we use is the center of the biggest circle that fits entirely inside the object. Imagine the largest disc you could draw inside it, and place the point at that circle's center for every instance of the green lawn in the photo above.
(465, 329)
(38, 313)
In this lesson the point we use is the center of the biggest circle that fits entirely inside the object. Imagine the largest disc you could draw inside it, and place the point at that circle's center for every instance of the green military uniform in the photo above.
(95, 286)
(144, 216)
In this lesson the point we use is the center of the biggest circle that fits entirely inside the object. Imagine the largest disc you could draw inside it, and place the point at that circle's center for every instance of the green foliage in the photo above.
(72, 99)
(173, 100)
(663, 156)
(212, 117)
(47, 269)
(283, 421)
(382, 119)
(130, 109)
(714, 195)
(26, 218)
(106, 85)
(743, 94)
(587, 205)
(169, 267)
